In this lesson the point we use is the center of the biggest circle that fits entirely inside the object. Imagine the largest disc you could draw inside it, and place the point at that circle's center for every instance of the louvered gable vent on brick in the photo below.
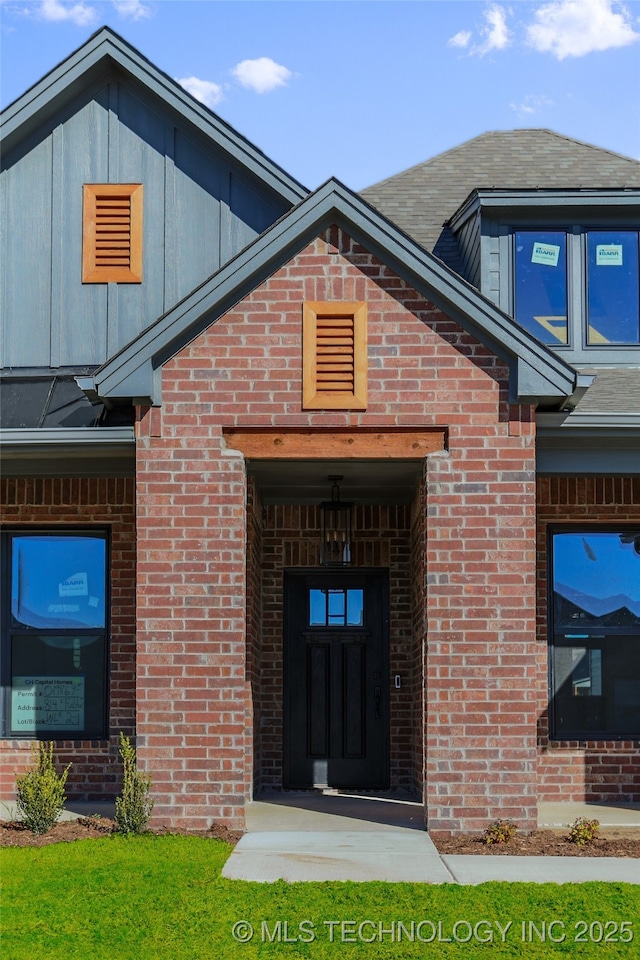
(335, 356)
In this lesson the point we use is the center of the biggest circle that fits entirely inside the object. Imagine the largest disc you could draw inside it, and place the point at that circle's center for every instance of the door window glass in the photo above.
(336, 607)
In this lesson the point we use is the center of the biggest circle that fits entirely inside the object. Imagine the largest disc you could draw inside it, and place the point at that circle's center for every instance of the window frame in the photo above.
(7, 631)
(596, 636)
(577, 349)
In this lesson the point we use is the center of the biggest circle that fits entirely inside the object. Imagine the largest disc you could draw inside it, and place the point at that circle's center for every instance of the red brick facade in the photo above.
(109, 504)
(477, 572)
(468, 727)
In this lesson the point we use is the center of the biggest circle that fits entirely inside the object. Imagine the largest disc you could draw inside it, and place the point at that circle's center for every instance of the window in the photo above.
(112, 233)
(613, 300)
(54, 634)
(595, 638)
(579, 288)
(334, 356)
(336, 607)
(541, 284)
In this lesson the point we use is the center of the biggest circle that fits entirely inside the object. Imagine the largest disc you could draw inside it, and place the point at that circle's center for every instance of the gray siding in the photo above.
(492, 276)
(200, 209)
(469, 246)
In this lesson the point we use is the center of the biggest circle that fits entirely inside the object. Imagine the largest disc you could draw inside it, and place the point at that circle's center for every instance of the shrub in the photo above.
(134, 805)
(40, 791)
(501, 831)
(584, 831)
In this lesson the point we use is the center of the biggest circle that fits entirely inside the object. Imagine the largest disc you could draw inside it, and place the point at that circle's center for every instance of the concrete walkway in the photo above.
(304, 837)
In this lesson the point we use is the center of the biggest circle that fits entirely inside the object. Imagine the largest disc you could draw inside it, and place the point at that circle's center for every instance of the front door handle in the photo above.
(377, 696)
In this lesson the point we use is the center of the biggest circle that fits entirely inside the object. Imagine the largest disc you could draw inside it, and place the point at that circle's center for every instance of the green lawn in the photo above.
(162, 898)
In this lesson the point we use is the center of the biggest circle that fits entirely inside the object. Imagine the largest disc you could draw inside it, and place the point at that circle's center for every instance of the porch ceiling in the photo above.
(364, 481)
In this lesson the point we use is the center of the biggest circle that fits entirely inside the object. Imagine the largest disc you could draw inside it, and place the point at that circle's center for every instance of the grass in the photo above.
(162, 898)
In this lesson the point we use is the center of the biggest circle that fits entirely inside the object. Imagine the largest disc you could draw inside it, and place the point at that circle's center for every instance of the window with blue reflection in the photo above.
(596, 634)
(613, 291)
(541, 284)
(336, 607)
(58, 582)
(54, 635)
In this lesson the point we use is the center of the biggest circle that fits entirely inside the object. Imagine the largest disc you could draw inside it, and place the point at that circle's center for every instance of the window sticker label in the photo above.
(76, 585)
(548, 253)
(47, 703)
(608, 254)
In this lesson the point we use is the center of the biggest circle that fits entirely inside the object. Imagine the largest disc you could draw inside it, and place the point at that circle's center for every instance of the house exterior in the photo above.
(194, 348)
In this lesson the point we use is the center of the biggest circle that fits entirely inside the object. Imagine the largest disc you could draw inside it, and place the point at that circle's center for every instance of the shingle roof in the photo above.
(613, 390)
(422, 199)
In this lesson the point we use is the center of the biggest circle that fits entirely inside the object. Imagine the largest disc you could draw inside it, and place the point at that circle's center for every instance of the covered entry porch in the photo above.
(336, 653)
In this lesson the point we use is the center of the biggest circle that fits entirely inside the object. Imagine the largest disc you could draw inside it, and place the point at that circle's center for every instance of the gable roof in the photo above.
(106, 50)
(135, 372)
(422, 199)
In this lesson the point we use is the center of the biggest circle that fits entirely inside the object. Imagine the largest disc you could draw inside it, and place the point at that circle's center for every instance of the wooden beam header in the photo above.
(361, 444)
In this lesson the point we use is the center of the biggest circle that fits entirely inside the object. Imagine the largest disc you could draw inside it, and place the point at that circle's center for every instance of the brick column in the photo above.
(481, 706)
(191, 690)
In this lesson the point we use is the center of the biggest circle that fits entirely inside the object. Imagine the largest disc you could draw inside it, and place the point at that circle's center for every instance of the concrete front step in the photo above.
(392, 855)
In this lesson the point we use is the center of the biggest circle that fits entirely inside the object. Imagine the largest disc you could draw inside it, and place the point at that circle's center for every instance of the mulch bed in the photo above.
(613, 842)
(14, 834)
(540, 843)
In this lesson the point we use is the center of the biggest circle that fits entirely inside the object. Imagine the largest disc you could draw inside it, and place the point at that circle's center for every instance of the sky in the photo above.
(362, 89)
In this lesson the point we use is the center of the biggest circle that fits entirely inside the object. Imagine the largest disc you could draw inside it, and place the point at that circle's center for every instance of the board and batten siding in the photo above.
(200, 209)
(469, 246)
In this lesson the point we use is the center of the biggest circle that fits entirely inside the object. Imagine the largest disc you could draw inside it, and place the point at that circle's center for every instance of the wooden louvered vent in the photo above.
(112, 233)
(335, 356)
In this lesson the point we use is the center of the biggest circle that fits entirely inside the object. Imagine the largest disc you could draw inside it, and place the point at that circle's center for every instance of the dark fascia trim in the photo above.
(30, 110)
(67, 452)
(135, 371)
(26, 436)
(564, 425)
(595, 200)
(588, 450)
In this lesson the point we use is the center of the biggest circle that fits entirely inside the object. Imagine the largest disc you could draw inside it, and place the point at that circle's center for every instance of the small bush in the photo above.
(584, 831)
(40, 791)
(501, 831)
(134, 805)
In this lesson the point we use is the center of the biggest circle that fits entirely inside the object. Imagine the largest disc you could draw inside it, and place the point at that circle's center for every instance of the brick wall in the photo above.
(107, 503)
(194, 698)
(605, 771)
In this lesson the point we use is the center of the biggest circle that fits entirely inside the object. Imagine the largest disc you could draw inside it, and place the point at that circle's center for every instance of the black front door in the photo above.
(336, 713)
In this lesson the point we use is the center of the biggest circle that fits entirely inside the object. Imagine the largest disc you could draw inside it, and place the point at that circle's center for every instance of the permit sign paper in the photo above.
(77, 585)
(548, 253)
(47, 703)
(608, 254)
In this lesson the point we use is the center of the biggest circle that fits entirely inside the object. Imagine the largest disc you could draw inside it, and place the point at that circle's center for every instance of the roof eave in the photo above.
(490, 199)
(106, 48)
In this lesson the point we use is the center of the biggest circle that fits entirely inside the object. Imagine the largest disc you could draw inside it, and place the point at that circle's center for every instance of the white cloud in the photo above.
(81, 14)
(261, 75)
(496, 34)
(532, 103)
(573, 28)
(132, 9)
(205, 91)
(460, 39)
